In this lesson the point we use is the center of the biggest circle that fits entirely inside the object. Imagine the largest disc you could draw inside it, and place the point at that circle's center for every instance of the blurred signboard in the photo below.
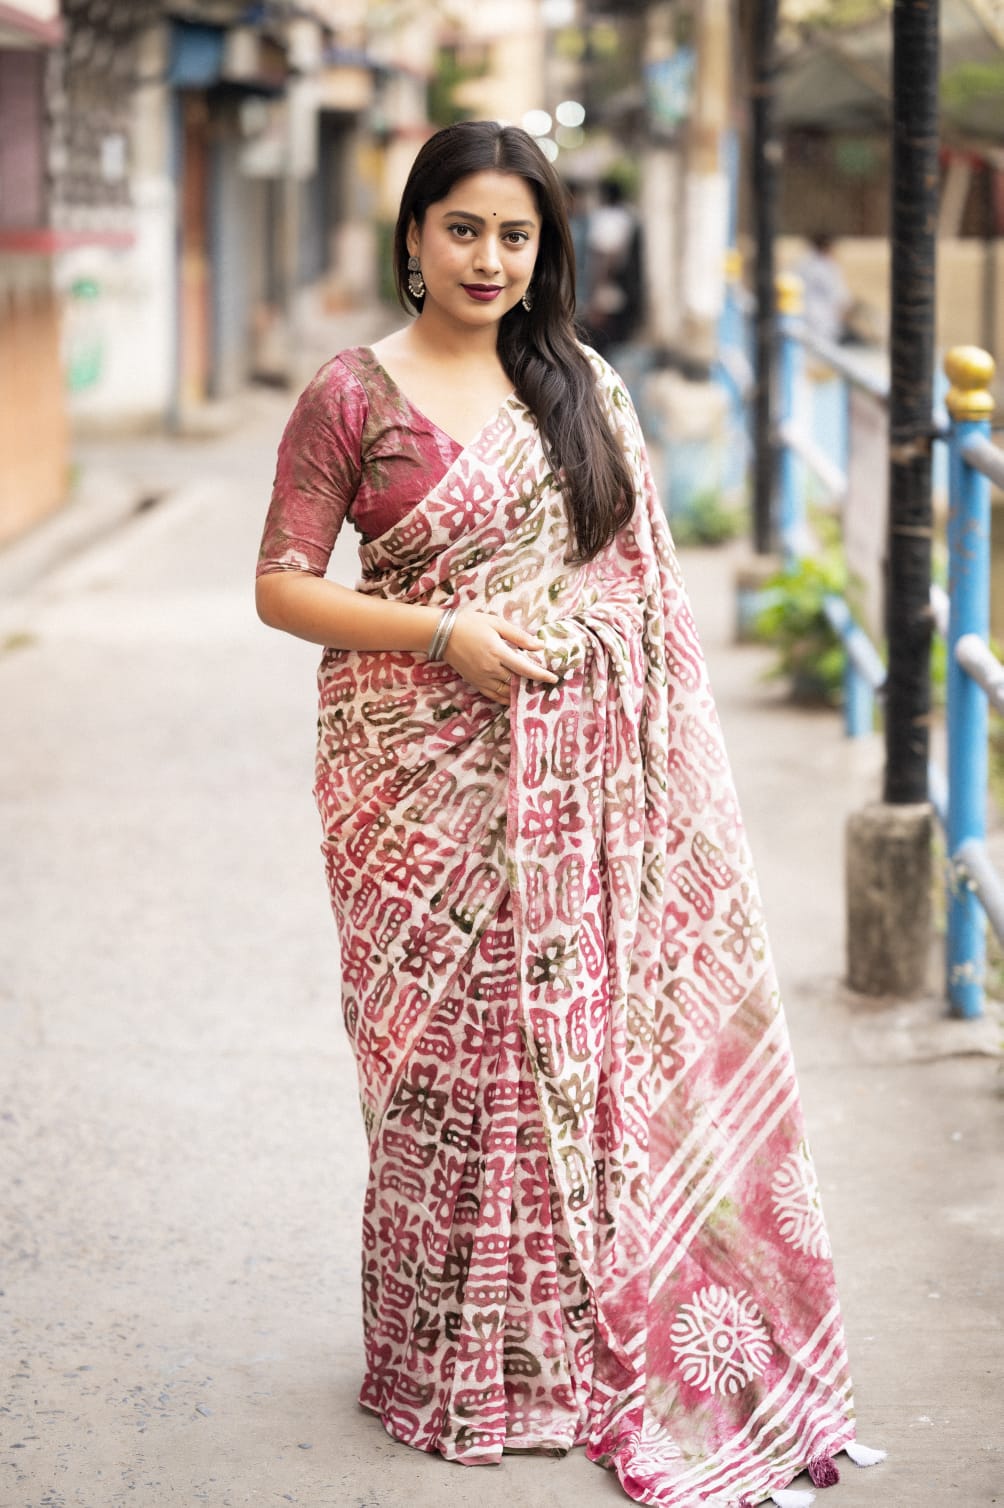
(669, 89)
(344, 86)
(866, 513)
(26, 23)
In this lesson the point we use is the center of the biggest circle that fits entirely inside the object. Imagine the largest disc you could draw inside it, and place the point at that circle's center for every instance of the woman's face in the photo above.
(477, 248)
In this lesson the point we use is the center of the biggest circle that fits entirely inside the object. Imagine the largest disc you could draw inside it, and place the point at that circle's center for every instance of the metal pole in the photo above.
(970, 371)
(765, 154)
(914, 222)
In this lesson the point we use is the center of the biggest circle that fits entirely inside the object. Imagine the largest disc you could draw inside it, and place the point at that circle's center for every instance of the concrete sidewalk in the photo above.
(183, 1161)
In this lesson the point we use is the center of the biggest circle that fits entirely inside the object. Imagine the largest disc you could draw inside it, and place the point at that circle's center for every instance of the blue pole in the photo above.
(859, 701)
(863, 669)
(735, 372)
(970, 406)
(791, 512)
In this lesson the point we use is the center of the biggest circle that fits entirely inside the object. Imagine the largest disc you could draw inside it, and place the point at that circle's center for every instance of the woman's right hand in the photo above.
(488, 651)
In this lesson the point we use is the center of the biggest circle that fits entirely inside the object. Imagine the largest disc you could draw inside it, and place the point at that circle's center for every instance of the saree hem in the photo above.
(512, 1445)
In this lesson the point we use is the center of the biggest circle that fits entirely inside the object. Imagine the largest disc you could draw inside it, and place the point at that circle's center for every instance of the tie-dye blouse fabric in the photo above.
(354, 449)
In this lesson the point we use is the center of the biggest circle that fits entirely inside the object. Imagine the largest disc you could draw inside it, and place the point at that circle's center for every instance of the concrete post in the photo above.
(887, 873)
(889, 845)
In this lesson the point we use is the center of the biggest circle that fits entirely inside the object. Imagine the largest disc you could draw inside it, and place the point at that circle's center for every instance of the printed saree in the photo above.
(591, 1214)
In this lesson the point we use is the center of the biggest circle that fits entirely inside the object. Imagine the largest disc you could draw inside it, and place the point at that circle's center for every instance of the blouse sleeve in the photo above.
(317, 473)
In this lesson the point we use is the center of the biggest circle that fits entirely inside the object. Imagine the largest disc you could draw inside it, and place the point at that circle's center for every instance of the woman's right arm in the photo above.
(322, 612)
(317, 474)
(481, 646)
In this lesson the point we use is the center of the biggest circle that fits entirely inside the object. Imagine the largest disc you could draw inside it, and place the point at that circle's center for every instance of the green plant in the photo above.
(810, 653)
(455, 66)
(707, 521)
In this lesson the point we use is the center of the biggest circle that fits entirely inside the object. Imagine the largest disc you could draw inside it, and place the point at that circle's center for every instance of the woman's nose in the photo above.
(489, 257)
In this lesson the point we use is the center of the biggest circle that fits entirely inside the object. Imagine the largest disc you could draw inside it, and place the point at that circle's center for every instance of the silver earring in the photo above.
(527, 301)
(416, 282)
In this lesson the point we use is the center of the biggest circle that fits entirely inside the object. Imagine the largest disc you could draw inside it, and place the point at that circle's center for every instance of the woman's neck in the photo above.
(439, 340)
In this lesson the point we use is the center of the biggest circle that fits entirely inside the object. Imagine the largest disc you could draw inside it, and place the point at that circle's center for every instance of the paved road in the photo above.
(181, 1151)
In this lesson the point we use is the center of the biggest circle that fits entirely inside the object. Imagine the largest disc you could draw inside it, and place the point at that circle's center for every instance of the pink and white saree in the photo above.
(591, 1214)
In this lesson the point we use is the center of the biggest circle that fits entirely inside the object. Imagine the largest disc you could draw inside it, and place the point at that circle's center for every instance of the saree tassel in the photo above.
(823, 1472)
(792, 1498)
(863, 1455)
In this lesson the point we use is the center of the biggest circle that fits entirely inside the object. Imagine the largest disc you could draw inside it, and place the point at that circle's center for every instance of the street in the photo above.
(182, 1154)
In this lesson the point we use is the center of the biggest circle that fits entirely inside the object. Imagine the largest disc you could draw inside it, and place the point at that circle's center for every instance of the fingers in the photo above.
(525, 665)
(515, 634)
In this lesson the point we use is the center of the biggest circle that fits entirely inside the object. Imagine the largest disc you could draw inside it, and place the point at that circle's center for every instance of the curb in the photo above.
(102, 503)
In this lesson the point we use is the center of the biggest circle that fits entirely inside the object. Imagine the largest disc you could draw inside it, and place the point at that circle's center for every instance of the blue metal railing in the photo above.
(975, 891)
(864, 669)
(975, 676)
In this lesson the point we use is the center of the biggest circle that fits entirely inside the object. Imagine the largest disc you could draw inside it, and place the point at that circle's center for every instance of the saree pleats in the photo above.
(592, 1215)
(477, 1328)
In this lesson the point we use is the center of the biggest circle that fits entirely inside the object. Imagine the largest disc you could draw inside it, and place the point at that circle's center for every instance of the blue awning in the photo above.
(196, 55)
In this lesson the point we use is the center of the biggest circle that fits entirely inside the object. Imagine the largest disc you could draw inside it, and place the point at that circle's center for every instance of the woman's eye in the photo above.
(462, 230)
(517, 237)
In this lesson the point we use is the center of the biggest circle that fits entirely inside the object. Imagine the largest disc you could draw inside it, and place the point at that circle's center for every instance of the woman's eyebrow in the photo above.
(464, 214)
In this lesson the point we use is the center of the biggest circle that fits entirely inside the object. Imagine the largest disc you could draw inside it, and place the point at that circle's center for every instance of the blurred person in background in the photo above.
(578, 227)
(556, 980)
(612, 299)
(826, 297)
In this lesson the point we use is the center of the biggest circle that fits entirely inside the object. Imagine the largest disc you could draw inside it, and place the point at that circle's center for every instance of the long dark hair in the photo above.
(538, 348)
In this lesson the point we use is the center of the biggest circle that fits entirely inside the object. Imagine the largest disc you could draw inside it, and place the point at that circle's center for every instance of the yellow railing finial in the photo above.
(788, 289)
(970, 370)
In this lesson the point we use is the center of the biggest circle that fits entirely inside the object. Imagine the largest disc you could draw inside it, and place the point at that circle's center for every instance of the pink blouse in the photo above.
(355, 448)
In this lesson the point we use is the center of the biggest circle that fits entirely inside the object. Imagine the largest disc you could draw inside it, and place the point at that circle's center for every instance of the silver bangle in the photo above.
(441, 637)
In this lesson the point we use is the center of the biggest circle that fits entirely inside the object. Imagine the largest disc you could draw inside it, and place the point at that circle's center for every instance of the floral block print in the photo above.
(591, 1215)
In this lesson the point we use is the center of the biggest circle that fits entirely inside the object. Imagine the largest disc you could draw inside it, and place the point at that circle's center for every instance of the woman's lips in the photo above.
(483, 292)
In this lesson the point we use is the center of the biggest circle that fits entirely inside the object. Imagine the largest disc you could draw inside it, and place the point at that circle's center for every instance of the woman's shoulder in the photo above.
(606, 376)
(359, 362)
(341, 373)
(356, 374)
(337, 396)
(610, 385)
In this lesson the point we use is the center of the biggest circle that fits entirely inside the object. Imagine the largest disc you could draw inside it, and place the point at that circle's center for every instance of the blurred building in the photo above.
(834, 105)
(496, 52)
(33, 431)
(183, 187)
(247, 181)
(667, 96)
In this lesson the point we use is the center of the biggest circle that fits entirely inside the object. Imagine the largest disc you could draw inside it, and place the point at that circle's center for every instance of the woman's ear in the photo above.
(412, 238)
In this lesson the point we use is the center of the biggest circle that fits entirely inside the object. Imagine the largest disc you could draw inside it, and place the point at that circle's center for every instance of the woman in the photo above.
(591, 1215)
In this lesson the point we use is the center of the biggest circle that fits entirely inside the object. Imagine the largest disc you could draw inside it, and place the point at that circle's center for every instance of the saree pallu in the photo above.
(592, 1215)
